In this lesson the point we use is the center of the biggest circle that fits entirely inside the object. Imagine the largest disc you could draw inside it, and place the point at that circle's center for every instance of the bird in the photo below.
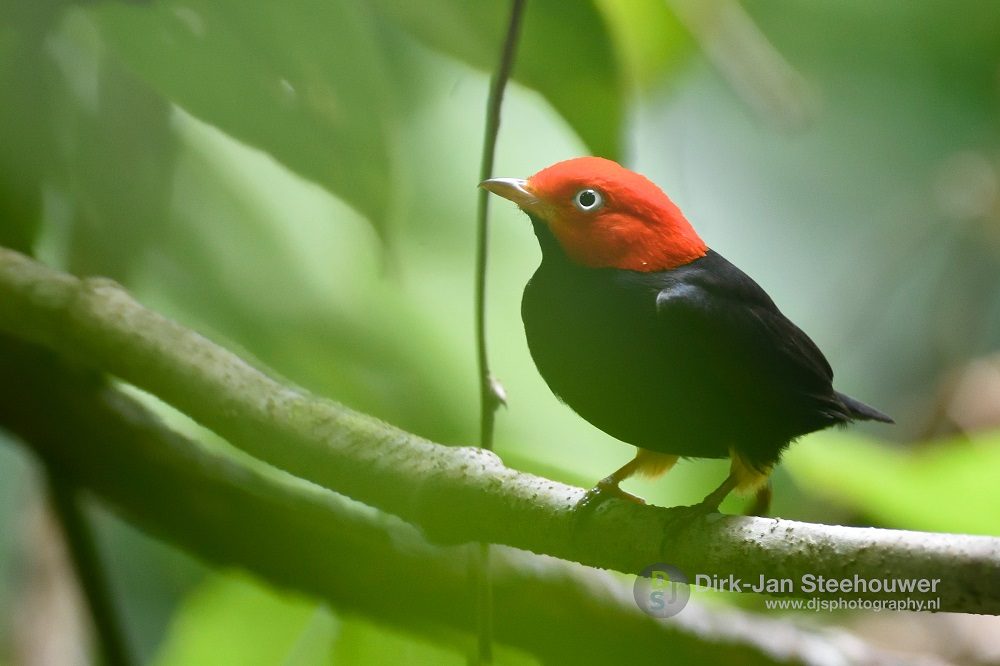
(658, 340)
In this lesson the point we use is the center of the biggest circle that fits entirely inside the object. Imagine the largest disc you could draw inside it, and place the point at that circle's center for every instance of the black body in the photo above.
(690, 361)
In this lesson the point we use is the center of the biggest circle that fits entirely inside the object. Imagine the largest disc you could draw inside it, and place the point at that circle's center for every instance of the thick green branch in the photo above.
(457, 494)
(297, 535)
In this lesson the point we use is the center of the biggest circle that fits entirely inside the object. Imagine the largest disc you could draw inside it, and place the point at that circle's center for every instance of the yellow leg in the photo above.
(714, 499)
(749, 478)
(743, 477)
(652, 464)
(761, 503)
(647, 463)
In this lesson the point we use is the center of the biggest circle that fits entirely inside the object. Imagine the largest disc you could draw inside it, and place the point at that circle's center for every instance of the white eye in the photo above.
(588, 200)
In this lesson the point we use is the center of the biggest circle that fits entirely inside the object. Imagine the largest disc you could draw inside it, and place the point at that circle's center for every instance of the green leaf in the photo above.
(27, 138)
(232, 619)
(566, 54)
(648, 37)
(947, 486)
(360, 642)
(302, 80)
(122, 176)
(313, 308)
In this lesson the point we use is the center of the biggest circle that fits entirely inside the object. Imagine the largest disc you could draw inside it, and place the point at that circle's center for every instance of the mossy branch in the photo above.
(296, 535)
(458, 494)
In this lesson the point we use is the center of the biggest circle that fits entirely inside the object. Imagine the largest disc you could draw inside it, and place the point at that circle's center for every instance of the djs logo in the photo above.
(661, 590)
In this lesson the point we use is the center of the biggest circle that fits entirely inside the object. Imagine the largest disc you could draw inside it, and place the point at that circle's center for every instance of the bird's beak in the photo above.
(515, 189)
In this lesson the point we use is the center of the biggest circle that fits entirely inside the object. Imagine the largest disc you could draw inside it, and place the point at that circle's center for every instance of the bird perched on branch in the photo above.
(658, 340)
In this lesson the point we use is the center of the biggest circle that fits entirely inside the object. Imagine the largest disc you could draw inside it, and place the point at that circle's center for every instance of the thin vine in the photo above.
(490, 392)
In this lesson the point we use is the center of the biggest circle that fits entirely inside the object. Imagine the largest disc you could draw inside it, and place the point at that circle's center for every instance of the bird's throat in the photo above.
(551, 249)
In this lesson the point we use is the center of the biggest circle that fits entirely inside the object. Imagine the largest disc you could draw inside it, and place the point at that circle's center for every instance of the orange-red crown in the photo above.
(605, 216)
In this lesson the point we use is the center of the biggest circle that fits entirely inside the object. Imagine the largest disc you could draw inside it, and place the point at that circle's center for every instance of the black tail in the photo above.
(862, 412)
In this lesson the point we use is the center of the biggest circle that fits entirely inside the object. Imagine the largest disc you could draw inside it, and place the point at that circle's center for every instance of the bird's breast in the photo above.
(596, 340)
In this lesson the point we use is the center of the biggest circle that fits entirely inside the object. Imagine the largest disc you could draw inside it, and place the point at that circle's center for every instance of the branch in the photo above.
(459, 494)
(297, 535)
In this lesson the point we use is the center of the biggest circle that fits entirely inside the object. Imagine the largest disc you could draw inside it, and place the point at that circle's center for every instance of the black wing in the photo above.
(755, 352)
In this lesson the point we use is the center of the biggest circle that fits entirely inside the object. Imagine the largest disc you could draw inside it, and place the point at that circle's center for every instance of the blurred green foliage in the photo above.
(947, 486)
(253, 625)
(249, 625)
(298, 180)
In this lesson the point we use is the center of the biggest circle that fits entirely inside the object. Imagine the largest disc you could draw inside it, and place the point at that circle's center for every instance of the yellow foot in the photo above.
(682, 517)
(601, 493)
(685, 515)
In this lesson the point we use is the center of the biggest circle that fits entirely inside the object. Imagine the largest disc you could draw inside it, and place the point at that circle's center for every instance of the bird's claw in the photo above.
(687, 514)
(601, 493)
(682, 517)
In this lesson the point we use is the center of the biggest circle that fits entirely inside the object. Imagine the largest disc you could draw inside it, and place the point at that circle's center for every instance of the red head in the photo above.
(605, 216)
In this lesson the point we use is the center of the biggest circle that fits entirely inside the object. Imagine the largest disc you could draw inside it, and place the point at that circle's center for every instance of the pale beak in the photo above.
(515, 189)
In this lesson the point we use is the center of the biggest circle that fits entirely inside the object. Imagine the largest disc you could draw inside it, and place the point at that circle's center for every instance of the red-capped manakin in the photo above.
(658, 340)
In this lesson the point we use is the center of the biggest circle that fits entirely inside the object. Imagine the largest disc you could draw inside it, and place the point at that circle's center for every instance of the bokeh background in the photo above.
(297, 180)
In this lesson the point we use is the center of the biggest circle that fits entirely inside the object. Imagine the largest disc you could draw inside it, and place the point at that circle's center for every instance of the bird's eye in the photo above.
(588, 200)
